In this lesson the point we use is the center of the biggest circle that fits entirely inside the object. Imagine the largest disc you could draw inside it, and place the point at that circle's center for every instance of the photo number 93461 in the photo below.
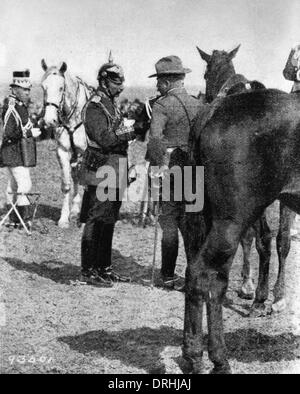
(21, 359)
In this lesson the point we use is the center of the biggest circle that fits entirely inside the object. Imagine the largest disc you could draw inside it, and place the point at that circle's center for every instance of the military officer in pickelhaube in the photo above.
(17, 125)
(107, 138)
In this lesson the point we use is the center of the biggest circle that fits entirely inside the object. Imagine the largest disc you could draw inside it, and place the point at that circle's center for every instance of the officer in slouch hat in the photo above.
(17, 125)
(107, 138)
(172, 116)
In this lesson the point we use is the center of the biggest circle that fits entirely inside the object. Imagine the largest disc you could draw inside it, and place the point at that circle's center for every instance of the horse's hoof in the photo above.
(245, 295)
(258, 309)
(190, 364)
(185, 365)
(62, 224)
(247, 291)
(279, 306)
(221, 369)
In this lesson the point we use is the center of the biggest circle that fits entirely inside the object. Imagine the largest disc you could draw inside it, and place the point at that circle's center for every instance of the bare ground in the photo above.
(49, 325)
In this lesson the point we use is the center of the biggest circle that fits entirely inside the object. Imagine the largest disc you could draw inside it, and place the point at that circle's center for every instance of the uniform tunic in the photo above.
(172, 116)
(105, 143)
(11, 144)
(17, 124)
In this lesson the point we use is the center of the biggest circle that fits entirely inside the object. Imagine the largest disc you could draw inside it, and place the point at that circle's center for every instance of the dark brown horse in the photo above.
(249, 146)
(221, 80)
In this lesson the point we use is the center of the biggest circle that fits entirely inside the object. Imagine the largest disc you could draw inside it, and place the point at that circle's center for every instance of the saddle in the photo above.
(236, 84)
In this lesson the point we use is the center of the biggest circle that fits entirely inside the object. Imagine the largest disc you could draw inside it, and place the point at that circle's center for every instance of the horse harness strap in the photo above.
(238, 84)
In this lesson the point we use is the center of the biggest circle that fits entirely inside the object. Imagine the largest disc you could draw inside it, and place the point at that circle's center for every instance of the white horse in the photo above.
(64, 99)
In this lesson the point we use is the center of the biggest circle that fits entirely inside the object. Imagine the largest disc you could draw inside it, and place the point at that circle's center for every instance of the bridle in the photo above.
(62, 118)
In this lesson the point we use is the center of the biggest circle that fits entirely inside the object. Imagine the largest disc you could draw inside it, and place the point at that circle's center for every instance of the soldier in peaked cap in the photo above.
(17, 124)
(107, 138)
(172, 116)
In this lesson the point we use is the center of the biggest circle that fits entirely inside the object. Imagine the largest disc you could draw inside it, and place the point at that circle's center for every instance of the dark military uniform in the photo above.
(172, 117)
(17, 124)
(106, 146)
(14, 116)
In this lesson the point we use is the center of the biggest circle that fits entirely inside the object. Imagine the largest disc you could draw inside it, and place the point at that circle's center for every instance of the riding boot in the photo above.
(89, 245)
(105, 270)
(104, 249)
(25, 214)
(13, 219)
(169, 251)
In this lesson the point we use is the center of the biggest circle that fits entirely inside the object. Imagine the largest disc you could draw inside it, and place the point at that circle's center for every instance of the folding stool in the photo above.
(33, 199)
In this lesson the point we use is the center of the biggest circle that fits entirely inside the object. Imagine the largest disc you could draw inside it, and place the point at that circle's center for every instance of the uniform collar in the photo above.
(176, 90)
(14, 97)
(103, 92)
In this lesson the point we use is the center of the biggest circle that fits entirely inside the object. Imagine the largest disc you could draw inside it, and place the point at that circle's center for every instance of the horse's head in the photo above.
(53, 83)
(291, 70)
(219, 68)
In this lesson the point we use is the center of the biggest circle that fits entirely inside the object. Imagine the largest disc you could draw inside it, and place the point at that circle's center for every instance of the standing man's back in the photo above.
(172, 117)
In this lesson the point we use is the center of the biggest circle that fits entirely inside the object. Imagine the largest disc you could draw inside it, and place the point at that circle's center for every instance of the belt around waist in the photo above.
(99, 150)
(184, 148)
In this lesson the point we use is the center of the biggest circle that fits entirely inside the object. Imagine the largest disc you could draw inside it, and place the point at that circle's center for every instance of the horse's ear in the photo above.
(44, 65)
(63, 67)
(204, 55)
(232, 54)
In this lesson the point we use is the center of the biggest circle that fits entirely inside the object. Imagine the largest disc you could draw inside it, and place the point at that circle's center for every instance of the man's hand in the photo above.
(158, 172)
(125, 127)
(35, 132)
(128, 122)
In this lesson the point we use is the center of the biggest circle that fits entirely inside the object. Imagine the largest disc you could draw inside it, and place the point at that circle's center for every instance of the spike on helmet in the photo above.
(111, 71)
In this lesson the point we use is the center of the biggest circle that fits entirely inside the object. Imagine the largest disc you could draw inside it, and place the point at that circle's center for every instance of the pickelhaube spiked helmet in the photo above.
(111, 71)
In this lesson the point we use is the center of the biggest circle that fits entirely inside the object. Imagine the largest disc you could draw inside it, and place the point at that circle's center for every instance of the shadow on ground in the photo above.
(54, 270)
(142, 347)
(61, 272)
(48, 212)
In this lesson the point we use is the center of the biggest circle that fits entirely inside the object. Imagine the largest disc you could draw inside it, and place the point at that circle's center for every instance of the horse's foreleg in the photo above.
(64, 161)
(247, 289)
(263, 246)
(79, 144)
(192, 349)
(77, 195)
(207, 280)
(218, 252)
(283, 243)
(193, 230)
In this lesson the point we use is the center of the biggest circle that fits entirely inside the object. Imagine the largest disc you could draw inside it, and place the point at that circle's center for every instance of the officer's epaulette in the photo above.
(11, 101)
(97, 97)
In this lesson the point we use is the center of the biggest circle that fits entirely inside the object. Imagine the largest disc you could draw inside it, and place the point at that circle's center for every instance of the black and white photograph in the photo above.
(149, 189)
